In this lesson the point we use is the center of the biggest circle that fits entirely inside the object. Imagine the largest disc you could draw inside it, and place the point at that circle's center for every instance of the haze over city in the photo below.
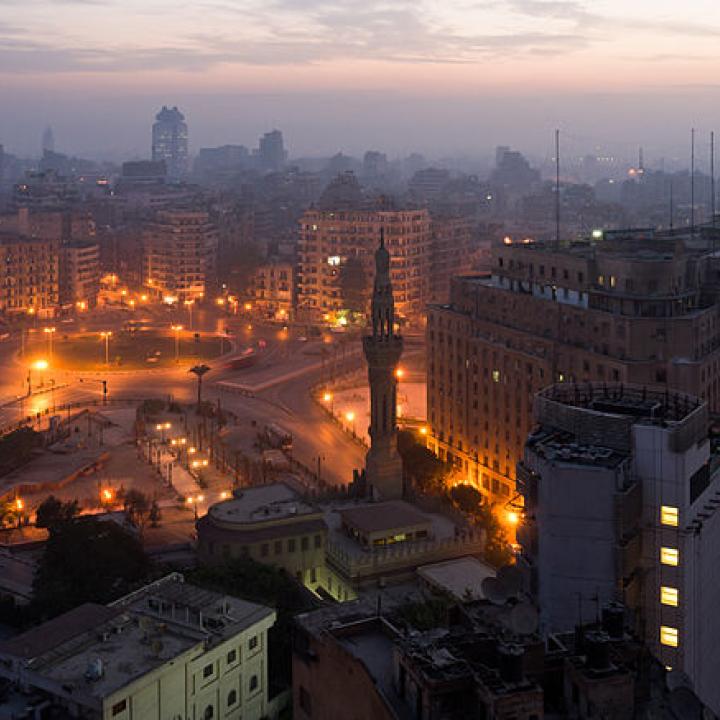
(347, 75)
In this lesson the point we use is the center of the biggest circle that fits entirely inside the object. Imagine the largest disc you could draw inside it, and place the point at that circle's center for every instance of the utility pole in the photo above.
(557, 187)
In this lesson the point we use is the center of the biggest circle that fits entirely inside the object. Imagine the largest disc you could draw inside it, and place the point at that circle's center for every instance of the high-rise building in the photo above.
(336, 250)
(622, 310)
(271, 152)
(170, 141)
(179, 251)
(383, 348)
(453, 251)
(80, 274)
(621, 489)
(48, 141)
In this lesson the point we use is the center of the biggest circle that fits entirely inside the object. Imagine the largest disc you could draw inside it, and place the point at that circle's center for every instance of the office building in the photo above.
(428, 184)
(630, 309)
(454, 250)
(170, 141)
(621, 490)
(336, 251)
(179, 250)
(271, 154)
(169, 650)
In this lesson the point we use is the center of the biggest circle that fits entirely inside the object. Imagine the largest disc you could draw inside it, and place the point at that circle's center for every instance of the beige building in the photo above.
(80, 274)
(168, 651)
(29, 275)
(274, 290)
(179, 251)
(627, 309)
(336, 264)
(270, 524)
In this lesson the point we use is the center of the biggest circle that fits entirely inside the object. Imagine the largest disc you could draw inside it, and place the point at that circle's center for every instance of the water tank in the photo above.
(597, 650)
(613, 620)
(510, 660)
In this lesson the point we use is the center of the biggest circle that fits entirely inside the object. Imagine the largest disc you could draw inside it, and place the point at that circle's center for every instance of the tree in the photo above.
(199, 371)
(497, 547)
(53, 513)
(420, 465)
(136, 506)
(467, 498)
(87, 560)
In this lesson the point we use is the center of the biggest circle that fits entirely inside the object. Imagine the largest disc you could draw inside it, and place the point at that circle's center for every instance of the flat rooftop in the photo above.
(561, 446)
(462, 578)
(379, 517)
(261, 504)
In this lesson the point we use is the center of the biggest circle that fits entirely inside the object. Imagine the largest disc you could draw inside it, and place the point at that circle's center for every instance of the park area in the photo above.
(124, 350)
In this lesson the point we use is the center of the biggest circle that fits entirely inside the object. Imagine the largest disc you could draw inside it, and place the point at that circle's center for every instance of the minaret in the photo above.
(383, 465)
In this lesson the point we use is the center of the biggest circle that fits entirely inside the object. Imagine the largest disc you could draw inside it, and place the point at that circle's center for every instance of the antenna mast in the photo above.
(557, 187)
(692, 181)
(712, 177)
(671, 204)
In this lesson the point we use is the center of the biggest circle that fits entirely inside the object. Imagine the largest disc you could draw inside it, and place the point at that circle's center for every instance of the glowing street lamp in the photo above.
(350, 417)
(513, 517)
(423, 430)
(50, 331)
(177, 329)
(106, 335)
(39, 365)
(399, 373)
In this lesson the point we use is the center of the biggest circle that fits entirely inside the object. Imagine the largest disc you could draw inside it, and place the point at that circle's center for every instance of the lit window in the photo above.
(496, 375)
(668, 636)
(601, 280)
(669, 556)
(669, 515)
(669, 596)
(612, 281)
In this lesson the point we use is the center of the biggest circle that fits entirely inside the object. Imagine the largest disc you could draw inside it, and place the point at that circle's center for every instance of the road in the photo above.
(287, 402)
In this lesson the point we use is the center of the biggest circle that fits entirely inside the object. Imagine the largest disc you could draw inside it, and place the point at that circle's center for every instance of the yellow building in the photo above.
(168, 651)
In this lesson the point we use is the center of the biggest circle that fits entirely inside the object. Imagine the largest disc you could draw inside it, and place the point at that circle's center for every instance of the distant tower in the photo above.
(170, 141)
(48, 141)
(383, 464)
(271, 151)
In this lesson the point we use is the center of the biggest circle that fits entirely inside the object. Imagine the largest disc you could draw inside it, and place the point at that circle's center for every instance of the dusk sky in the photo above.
(444, 77)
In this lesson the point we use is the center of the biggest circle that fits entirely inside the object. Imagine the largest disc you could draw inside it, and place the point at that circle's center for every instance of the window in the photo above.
(208, 670)
(231, 657)
(278, 547)
(253, 683)
(232, 698)
(318, 541)
(669, 515)
(119, 707)
(669, 556)
(304, 543)
(253, 642)
(496, 375)
(669, 596)
(291, 545)
(209, 712)
(668, 636)
(264, 549)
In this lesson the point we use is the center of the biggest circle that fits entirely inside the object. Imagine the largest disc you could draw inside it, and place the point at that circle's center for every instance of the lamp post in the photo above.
(189, 304)
(50, 331)
(177, 329)
(350, 416)
(37, 365)
(328, 397)
(106, 335)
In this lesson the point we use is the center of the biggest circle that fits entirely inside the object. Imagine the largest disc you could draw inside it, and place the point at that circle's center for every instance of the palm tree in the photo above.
(199, 371)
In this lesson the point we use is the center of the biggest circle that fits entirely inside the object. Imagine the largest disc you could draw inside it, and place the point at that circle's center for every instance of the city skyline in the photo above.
(462, 73)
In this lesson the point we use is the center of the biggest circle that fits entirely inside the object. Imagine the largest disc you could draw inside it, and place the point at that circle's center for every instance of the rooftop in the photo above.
(259, 504)
(458, 577)
(378, 517)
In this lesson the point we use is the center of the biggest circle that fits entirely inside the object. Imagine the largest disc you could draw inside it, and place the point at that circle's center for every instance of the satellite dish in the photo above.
(524, 619)
(493, 590)
(685, 704)
(511, 578)
(678, 679)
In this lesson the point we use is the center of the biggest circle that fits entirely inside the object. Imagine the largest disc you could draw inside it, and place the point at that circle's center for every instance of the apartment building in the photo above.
(80, 274)
(274, 290)
(179, 250)
(169, 650)
(621, 490)
(631, 308)
(336, 260)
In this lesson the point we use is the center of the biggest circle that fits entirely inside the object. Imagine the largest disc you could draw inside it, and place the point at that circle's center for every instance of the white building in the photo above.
(170, 651)
(621, 488)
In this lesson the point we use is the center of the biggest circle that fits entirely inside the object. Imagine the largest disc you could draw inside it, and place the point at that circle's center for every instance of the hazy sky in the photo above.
(436, 75)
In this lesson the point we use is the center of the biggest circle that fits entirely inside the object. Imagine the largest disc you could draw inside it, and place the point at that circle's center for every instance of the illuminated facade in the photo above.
(274, 289)
(179, 251)
(80, 274)
(622, 310)
(621, 489)
(335, 245)
(170, 141)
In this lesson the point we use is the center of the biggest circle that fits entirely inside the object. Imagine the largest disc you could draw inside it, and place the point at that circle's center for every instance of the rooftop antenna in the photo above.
(692, 181)
(712, 179)
(671, 204)
(557, 187)
(641, 164)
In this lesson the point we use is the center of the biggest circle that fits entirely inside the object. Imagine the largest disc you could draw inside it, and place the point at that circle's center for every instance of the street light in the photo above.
(399, 373)
(328, 397)
(350, 417)
(50, 332)
(189, 304)
(37, 365)
(177, 329)
(106, 335)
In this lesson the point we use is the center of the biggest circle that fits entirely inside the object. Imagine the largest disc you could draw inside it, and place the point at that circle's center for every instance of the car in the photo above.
(302, 338)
